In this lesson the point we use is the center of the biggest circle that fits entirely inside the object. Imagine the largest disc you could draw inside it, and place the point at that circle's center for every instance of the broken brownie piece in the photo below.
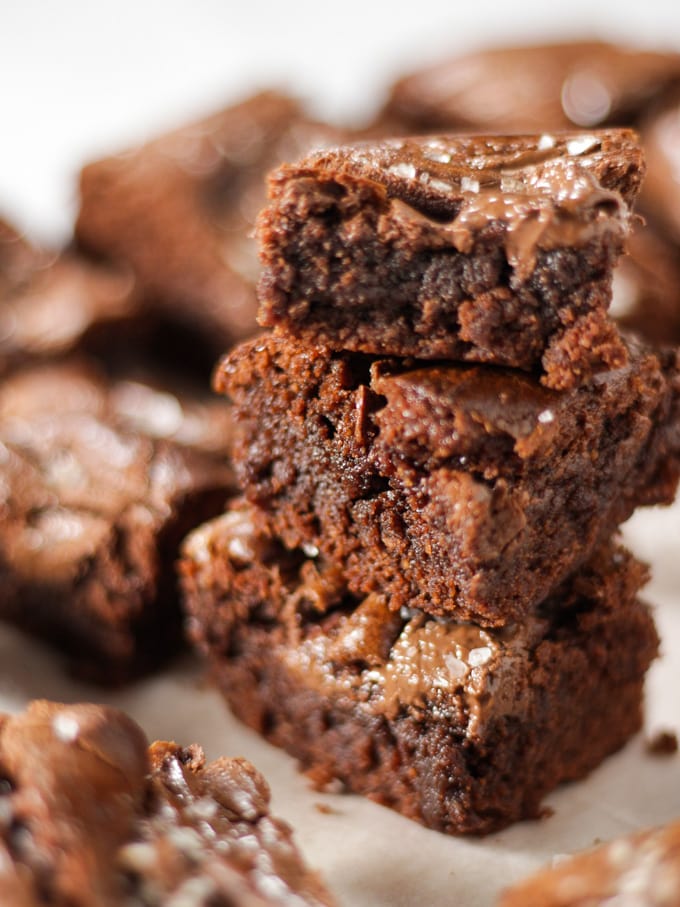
(92, 511)
(485, 249)
(525, 89)
(92, 815)
(51, 305)
(640, 869)
(450, 488)
(462, 728)
(180, 210)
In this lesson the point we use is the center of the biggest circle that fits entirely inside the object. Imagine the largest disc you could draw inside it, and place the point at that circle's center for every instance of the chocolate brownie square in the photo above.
(53, 304)
(92, 511)
(462, 728)
(180, 209)
(641, 869)
(486, 249)
(451, 488)
(91, 814)
(531, 88)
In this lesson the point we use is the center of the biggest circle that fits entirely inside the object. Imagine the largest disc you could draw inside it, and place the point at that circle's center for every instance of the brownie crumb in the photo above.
(662, 743)
(325, 809)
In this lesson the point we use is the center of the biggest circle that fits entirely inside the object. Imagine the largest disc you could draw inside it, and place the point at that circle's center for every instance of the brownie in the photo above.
(641, 869)
(462, 728)
(661, 193)
(52, 304)
(486, 249)
(93, 815)
(525, 89)
(92, 510)
(448, 487)
(179, 211)
(646, 290)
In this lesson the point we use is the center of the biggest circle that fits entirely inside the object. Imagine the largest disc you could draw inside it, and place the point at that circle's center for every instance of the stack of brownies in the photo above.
(420, 593)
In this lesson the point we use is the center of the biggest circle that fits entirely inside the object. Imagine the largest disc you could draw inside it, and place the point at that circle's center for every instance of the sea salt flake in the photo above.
(403, 169)
(467, 184)
(65, 728)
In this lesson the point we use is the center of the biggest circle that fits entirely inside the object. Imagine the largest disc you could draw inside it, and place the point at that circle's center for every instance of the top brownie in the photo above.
(486, 249)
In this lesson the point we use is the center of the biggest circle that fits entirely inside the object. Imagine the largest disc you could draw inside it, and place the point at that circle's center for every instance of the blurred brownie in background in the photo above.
(52, 304)
(646, 289)
(532, 88)
(641, 869)
(660, 197)
(98, 485)
(179, 212)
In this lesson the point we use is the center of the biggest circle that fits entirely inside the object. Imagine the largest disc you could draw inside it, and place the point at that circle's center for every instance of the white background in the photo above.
(78, 79)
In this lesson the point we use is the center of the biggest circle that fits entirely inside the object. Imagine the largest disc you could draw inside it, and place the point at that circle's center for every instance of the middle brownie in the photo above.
(453, 489)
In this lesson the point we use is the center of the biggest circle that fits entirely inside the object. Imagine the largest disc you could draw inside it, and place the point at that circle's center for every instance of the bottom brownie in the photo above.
(462, 728)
